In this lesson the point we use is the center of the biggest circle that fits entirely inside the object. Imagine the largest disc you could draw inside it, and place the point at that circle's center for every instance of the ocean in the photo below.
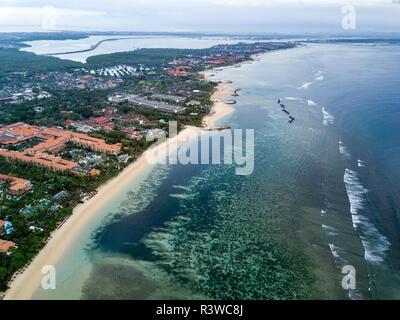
(324, 194)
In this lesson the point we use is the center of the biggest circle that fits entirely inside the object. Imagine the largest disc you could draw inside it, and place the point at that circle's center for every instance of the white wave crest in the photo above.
(305, 85)
(343, 150)
(375, 244)
(331, 231)
(319, 76)
(292, 98)
(334, 250)
(328, 118)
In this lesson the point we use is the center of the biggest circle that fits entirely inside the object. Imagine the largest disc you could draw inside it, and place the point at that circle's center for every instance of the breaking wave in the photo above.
(328, 118)
(292, 98)
(343, 150)
(305, 85)
(334, 250)
(375, 244)
(331, 231)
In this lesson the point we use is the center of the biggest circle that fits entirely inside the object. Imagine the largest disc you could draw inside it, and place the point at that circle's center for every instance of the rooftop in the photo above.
(18, 185)
(6, 245)
(55, 140)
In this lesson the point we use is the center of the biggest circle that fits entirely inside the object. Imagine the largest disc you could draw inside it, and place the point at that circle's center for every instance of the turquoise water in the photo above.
(324, 194)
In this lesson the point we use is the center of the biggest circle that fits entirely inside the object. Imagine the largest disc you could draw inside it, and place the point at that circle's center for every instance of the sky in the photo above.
(213, 16)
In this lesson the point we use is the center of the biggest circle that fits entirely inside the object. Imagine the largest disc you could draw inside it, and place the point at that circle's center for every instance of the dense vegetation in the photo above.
(80, 105)
(73, 100)
(142, 56)
(13, 60)
(47, 184)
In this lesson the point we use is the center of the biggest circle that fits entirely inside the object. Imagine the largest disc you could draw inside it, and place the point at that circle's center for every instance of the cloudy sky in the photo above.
(219, 16)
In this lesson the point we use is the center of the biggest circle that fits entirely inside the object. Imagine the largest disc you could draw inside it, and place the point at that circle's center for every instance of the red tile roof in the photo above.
(101, 120)
(55, 140)
(18, 185)
(68, 122)
(179, 71)
(95, 172)
(6, 245)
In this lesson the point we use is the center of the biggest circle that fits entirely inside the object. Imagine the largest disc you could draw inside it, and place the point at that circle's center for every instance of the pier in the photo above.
(218, 128)
(235, 92)
(230, 101)
(93, 47)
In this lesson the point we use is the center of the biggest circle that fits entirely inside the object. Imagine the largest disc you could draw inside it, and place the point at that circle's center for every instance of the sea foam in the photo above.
(331, 231)
(334, 250)
(328, 118)
(375, 244)
(343, 150)
(319, 73)
(305, 85)
(292, 98)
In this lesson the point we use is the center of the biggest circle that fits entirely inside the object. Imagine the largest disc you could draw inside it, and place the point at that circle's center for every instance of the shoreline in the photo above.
(25, 282)
(220, 108)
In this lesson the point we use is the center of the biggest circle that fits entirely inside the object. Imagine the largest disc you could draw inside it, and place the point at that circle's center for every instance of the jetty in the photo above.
(235, 92)
(93, 47)
(230, 101)
(218, 128)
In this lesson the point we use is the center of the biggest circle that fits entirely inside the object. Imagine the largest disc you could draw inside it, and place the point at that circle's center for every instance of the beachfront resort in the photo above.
(68, 128)
(50, 141)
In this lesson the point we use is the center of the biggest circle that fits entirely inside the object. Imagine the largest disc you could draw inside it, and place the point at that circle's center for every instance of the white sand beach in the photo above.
(25, 283)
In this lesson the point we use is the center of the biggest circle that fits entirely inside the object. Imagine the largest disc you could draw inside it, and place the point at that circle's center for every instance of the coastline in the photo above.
(25, 282)
(221, 108)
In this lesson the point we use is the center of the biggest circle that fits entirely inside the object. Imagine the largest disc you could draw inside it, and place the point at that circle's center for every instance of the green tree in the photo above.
(3, 273)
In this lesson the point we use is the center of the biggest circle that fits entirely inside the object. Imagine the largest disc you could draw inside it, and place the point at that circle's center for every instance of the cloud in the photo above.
(10, 14)
(277, 3)
(47, 16)
(229, 16)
